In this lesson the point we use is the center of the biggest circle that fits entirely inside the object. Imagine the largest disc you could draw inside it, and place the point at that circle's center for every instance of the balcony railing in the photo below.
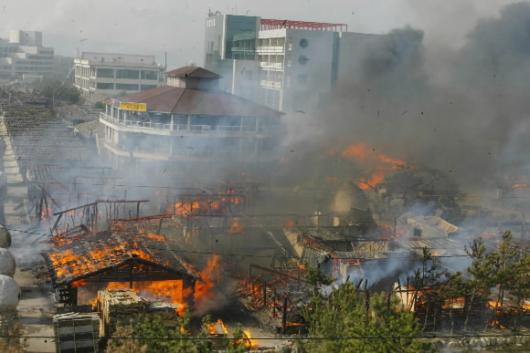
(270, 49)
(171, 127)
(271, 66)
(137, 123)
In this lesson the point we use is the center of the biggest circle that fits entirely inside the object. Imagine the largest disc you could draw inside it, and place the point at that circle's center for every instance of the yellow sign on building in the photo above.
(133, 107)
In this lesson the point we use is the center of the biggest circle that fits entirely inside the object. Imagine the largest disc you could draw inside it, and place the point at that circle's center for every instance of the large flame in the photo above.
(217, 328)
(66, 263)
(248, 342)
(170, 290)
(380, 163)
(494, 304)
(174, 290)
(209, 278)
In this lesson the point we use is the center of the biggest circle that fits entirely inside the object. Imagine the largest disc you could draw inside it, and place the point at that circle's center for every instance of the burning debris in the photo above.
(84, 259)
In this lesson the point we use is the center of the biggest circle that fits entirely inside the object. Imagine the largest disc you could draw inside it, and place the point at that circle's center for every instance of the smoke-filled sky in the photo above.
(177, 26)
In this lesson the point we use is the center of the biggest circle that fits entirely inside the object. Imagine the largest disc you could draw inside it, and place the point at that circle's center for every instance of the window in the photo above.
(128, 74)
(303, 60)
(126, 87)
(105, 73)
(104, 85)
(304, 43)
(149, 75)
(146, 87)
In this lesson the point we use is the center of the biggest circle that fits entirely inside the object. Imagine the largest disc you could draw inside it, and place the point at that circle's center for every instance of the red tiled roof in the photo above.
(192, 72)
(178, 100)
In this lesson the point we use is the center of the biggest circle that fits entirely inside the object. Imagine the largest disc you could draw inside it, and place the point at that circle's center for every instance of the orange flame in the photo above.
(66, 263)
(217, 203)
(236, 227)
(374, 180)
(357, 151)
(494, 304)
(379, 162)
(171, 290)
(248, 342)
(209, 277)
(290, 224)
(217, 328)
(156, 237)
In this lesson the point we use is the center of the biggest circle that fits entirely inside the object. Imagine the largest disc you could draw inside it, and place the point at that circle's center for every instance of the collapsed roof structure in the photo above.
(117, 255)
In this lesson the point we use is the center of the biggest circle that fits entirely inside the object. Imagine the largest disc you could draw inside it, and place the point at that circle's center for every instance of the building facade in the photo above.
(110, 74)
(188, 123)
(24, 56)
(286, 65)
(297, 66)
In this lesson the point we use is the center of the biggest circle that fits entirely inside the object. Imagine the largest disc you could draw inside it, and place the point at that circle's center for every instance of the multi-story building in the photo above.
(297, 65)
(190, 121)
(24, 56)
(286, 65)
(221, 32)
(110, 74)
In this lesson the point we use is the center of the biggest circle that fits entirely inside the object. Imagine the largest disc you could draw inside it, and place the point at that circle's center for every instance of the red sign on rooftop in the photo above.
(312, 26)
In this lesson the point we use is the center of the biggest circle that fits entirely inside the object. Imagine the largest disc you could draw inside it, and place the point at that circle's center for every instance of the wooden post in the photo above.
(160, 226)
(95, 230)
(265, 295)
(273, 302)
(284, 316)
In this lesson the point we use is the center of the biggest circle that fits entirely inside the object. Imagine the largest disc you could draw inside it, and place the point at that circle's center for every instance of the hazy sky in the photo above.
(177, 26)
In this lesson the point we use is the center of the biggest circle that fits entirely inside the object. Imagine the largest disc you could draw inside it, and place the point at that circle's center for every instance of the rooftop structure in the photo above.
(112, 73)
(188, 120)
(192, 77)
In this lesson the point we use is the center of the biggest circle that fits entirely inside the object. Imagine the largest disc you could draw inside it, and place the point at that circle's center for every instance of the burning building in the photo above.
(81, 262)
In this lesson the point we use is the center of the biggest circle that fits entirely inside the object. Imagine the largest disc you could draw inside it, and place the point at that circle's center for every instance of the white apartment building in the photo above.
(24, 56)
(110, 74)
(287, 65)
(297, 66)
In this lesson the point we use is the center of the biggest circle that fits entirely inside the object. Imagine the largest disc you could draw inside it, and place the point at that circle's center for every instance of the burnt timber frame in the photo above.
(90, 213)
